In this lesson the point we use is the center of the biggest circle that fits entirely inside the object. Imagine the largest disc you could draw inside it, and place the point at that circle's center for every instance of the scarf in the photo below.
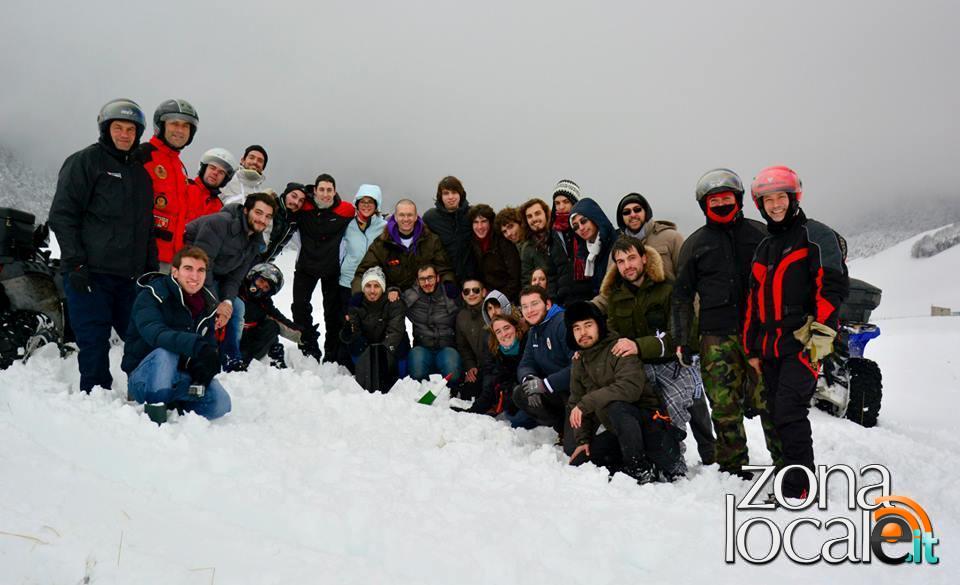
(593, 250)
(484, 244)
(514, 348)
(579, 262)
(561, 222)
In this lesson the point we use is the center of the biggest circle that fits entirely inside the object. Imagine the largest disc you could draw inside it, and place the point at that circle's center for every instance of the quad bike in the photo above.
(851, 385)
(32, 301)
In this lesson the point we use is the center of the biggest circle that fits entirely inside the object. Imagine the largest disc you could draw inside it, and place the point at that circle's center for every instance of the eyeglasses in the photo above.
(471, 290)
(631, 210)
(426, 279)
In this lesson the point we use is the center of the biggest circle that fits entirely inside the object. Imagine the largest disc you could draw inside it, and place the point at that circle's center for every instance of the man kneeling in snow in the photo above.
(171, 353)
(612, 390)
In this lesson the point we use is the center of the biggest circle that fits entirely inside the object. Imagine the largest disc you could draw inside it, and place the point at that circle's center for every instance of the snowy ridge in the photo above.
(23, 188)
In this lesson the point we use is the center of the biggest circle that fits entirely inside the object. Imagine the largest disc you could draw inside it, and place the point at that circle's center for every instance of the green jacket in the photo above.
(599, 378)
(642, 313)
(400, 265)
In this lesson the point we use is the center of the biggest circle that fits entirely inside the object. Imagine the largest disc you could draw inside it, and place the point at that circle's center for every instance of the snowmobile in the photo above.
(32, 300)
(851, 385)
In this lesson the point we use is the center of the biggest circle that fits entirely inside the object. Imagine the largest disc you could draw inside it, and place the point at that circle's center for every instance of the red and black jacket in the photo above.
(201, 200)
(320, 233)
(170, 199)
(798, 270)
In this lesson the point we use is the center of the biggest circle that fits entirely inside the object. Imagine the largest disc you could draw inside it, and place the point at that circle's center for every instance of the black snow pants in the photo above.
(791, 381)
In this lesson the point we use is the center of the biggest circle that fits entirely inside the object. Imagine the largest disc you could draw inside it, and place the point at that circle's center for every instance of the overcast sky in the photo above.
(859, 97)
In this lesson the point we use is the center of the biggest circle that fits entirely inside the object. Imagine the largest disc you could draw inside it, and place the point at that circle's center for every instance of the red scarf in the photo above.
(484, 243)
(579, 262)
(561, 221)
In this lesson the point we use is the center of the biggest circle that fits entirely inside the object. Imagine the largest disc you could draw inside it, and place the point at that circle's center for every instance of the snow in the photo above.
(312, 480)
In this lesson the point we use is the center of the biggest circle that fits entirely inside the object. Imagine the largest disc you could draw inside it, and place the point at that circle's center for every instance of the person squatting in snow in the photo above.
(738, 315)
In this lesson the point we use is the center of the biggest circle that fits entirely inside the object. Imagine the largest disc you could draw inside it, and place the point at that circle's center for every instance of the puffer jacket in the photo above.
(455, 233)
(433, 315)
(161, 319)
(357, 240)
(232, 250)
(546, 354)
(171, 201)
(102, 212)
(376, 322)
(642, 313)
(599, 378)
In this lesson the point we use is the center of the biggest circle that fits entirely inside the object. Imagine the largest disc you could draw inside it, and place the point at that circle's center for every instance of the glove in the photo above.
(533, 389)
(80, 280)
(821, 341)
(685, 354)
(205, 365)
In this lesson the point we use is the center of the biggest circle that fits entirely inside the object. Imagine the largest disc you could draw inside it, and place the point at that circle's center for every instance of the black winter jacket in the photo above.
(102, 212)
(224, 237)
(379, 322)
(320, 233)
(161, 319)
(456, 235)
(715, 264)
(284, 226)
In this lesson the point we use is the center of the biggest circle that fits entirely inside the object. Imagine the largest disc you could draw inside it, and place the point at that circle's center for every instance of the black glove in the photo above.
(533, 388)
(80, 280)
(685, 354)
(205, 365)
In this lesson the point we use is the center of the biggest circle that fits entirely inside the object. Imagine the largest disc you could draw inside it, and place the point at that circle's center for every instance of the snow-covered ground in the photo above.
(312, 480)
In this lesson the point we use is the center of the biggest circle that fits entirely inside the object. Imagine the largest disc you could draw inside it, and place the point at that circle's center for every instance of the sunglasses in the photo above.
(631, 210)
(474, 290)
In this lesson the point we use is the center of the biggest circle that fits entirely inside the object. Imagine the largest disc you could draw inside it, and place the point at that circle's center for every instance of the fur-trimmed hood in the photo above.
(654, 271)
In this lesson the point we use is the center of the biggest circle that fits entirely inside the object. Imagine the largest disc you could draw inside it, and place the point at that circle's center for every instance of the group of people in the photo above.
(543, 314)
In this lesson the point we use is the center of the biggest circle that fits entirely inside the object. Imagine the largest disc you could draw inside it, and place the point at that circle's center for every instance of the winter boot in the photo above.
(234, 365)
(276, 355)
(642, 470)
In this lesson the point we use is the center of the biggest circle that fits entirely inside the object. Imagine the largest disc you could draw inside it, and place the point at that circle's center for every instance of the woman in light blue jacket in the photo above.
(361, 231)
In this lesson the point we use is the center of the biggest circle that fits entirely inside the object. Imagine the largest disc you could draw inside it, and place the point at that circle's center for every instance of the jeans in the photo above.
(444, 361)
(157, 379)
(92, 316)
(230, 349)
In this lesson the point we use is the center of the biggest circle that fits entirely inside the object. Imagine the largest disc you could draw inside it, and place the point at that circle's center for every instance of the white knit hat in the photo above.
(375, 273)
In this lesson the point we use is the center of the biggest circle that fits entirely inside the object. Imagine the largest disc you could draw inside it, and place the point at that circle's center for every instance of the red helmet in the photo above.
(776, 179)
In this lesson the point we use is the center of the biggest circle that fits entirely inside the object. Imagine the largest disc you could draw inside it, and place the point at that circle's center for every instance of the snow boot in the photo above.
(276, 355)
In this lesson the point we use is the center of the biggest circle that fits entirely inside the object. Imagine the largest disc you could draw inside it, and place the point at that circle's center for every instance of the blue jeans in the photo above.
(444, 361)
(92, 316)
(157, 379)
(230, 349)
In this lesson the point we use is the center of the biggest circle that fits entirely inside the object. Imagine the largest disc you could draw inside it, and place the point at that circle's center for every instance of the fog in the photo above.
(859, 97)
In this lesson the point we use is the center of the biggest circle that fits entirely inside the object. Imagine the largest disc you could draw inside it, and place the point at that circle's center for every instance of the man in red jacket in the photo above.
(798, 282)
(174, 126)
(217, 167)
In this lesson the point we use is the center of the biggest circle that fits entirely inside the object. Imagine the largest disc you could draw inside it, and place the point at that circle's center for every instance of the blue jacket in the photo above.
(546, 354)
(353, 246)
(160, 319)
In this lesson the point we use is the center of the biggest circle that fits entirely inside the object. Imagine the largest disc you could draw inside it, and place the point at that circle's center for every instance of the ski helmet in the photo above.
(121, 109)
(719, 181)
(175, 110)
(776, 179)
(222, 158)
(267, 271)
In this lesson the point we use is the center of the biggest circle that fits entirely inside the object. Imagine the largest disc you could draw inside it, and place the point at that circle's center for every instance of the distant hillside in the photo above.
(23, 188)
(887, 226)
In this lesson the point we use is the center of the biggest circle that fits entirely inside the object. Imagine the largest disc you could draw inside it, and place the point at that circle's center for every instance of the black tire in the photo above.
(866, 391)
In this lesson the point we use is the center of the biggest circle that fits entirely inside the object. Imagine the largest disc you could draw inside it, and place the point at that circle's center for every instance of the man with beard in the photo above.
(635, 218)
(432, 309)
(564, 284)
(102, 217)
(535, 214)
(715, 265)
(610, 389)
(322, 223)
(232, 239)
(449, 221)
(174, 127)
(249, 177)
(798, 283)
(285, 220)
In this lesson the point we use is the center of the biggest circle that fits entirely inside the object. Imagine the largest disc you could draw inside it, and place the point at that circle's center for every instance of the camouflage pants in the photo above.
(734, 390)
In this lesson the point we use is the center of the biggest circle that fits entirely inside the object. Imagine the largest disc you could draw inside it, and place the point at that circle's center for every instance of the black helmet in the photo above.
(175, 110)
(267, 271)
(121, 109)
(717, 181)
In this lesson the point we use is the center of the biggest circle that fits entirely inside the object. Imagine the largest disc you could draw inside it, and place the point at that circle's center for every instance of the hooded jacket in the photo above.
(546, 354)
(599, 378)
(161, 319)
(321, 231)
(241, 185)
(455, 233)
(566, 288)
(232, 250)
(501, 299)
(102, 212)
(662, 236)
(171, 201)
(642, 313)
(356, 241)
(399, 263)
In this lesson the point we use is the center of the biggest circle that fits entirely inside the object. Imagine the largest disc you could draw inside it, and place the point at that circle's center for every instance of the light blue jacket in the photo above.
(355, 242)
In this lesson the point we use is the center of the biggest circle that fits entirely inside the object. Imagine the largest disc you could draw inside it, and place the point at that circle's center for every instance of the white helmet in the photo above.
(222, 158)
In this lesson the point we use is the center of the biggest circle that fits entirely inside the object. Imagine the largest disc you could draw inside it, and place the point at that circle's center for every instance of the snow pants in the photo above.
(257, 340)
(92, 316)
(158, 379)
(645, 436)
(791, 382)
(304, 284)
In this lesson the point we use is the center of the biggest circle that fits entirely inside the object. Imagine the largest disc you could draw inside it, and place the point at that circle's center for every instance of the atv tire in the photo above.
(866, 391)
